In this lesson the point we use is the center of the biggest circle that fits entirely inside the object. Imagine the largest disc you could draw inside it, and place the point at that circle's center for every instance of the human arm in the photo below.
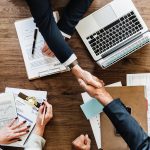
(43, 17)
(125, 124)
(36, 140)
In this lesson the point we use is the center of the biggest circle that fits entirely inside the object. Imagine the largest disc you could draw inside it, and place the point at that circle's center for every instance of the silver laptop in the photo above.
(113, 32)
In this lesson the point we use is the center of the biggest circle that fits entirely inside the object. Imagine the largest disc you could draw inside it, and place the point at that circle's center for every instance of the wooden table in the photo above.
(63, 89)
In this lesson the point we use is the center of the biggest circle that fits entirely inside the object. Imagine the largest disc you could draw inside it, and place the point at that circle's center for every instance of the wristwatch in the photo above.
(31, 100)
(74, 63)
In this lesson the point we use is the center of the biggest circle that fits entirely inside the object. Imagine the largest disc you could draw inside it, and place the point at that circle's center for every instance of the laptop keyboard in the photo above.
(114, 33)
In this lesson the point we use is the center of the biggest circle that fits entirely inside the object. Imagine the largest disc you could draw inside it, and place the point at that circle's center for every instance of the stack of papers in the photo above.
(37, 65)
(7, 109)
(95, 119)
(142, 79)
(19, 107)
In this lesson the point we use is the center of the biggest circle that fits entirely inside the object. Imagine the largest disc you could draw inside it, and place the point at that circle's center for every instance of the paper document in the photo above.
(95, 121)
(142, 79)
(37, 65)
(26, 111)
(91, 108)
(7, 109)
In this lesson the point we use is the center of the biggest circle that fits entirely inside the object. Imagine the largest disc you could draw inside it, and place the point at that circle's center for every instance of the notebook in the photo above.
(132, 97)
(37, 65)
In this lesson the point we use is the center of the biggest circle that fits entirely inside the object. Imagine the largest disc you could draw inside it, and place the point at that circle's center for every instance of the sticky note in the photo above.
(91, 108)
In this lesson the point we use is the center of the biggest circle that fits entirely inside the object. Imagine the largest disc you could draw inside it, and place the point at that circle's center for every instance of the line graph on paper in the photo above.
(7, 113)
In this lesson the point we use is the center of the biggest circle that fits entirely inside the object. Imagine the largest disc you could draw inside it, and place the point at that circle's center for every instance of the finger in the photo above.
(17, 135)
(82, 84)
(98, 80)
(79, 140)
(45, 48)
(49, 109)
(18, 125)
(87, 88)
(48, 52)
(12, 122)
(13, 140)
(41, 109)
(23, 129)
(89, 80)
(51, 54)
(87, 139)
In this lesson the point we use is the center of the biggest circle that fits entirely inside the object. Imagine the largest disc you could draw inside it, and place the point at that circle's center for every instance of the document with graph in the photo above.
(37, 65)
(7, 109)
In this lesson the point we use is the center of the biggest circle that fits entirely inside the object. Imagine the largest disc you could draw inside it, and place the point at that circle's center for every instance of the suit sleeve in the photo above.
(127, 126)
(43, 17)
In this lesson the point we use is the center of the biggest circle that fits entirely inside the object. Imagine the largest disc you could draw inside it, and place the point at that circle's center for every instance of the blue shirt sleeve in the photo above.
(127, 126)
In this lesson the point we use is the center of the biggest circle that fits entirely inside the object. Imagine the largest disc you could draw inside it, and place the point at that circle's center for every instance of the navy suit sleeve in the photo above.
(72, 15)
(43, 16)
(127, 126)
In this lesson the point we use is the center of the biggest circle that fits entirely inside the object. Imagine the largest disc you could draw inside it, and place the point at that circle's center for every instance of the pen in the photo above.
(34, 42)
(44, 112)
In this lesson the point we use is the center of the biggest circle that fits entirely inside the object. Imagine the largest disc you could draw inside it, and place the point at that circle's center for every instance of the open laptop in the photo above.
(113, 32)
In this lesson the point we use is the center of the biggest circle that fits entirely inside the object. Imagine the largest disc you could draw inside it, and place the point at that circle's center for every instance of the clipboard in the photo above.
(132, 97)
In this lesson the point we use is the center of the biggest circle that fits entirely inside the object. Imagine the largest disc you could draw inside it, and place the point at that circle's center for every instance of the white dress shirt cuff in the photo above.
(71, 59)
(65, 35)
(57, 18)
(35, 142)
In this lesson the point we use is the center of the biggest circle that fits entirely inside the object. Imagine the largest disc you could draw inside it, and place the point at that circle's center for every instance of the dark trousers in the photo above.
(43, 16)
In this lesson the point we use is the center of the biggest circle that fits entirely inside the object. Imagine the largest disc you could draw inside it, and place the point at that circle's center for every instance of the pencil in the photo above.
(44, 112)
(34, 41)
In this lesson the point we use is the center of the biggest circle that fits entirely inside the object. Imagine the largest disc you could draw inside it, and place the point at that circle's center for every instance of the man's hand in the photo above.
(13, 131)
(39, 128)
(99, 93)
(87, 77)
(46, 51)
(82, 143)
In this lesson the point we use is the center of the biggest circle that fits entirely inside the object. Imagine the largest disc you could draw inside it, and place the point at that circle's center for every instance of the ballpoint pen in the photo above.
(34, 42)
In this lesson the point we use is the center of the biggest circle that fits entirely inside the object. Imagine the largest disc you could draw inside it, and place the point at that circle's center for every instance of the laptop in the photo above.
(113, 32)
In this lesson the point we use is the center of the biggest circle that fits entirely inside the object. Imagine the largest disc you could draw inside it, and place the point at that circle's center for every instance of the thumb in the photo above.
(82, 84)
(41, 109)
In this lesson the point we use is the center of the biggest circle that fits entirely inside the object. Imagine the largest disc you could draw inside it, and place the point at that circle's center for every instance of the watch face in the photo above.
(32, 101)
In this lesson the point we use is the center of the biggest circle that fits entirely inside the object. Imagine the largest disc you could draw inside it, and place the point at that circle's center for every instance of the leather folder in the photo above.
(132, 97)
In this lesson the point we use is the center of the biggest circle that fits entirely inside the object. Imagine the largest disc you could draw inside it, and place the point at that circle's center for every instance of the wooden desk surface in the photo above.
(63, 89)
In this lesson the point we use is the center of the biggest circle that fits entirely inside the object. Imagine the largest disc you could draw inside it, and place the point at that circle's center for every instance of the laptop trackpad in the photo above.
(105, 16)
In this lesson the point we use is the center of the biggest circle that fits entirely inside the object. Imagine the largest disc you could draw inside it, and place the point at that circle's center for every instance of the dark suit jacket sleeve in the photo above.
(43, 16)
(127, 126)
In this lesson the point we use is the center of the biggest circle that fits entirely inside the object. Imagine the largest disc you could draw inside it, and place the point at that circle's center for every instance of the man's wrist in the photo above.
(77, 71)
(73, 64)
(105, 98)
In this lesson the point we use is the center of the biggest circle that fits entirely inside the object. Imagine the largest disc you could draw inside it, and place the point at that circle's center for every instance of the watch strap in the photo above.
(31, 100)
(74, 63)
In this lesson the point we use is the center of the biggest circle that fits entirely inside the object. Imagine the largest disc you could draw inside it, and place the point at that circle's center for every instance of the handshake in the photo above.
(92, 85)
(95, 88)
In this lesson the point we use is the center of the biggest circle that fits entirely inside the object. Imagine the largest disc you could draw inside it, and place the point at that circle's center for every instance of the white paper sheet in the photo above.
(37, 65)
(95, 121)
(25, 111)
(142, 79)
(7, 109)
